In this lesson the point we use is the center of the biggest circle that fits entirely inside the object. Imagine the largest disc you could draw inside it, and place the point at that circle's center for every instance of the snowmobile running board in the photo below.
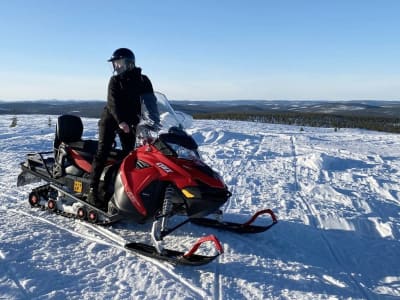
(36, 193)
(178, 257)
(246, 227)
(111, 218)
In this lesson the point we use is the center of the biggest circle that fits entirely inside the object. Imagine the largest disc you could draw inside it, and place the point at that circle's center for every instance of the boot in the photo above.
(93, 198)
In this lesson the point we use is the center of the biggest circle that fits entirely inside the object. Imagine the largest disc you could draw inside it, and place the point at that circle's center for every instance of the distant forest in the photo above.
(386, 124)
(372, 115)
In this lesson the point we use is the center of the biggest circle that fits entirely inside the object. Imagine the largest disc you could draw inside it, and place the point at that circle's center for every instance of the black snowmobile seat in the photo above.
(69, 130)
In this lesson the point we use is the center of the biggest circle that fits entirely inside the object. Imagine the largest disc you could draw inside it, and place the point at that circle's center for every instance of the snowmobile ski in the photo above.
(178, 257)
(246, 227)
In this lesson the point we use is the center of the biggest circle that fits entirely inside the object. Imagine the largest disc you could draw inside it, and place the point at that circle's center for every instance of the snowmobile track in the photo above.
(114, 241)
(313, 214)
(11, 274)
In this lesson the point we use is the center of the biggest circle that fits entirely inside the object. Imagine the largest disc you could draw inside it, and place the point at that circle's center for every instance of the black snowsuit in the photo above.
(123, 105)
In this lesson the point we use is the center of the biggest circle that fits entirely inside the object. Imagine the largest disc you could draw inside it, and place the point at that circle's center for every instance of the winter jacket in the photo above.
(123, 99)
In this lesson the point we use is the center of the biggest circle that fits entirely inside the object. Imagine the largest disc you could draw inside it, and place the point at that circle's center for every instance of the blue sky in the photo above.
(325, 49)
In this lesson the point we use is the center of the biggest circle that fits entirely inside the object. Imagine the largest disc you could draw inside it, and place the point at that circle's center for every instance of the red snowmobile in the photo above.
(163, 177)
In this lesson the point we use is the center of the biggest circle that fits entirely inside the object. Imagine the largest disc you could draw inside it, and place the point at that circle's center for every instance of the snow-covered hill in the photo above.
(336, 195)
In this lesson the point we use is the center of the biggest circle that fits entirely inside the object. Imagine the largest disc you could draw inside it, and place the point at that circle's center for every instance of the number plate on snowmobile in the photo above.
(78, 186)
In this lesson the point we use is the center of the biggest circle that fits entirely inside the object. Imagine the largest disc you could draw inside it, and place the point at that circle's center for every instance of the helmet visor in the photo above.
(123, 64)
(119, 65)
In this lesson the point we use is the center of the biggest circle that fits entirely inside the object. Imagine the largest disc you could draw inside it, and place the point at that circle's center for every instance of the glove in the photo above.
(124, 127)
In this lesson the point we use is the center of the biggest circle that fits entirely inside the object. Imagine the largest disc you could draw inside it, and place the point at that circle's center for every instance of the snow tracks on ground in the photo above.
(336, 195)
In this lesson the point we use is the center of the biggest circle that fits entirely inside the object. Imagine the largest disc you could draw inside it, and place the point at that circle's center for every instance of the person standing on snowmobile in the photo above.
(120, 115)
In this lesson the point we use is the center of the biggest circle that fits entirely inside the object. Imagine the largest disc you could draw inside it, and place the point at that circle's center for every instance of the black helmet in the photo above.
(123, 53)
(122, 60)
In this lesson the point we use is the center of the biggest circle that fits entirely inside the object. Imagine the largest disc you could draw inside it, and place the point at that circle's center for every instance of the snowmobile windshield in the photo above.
(156, 110)
(160, 121)
(158, 116)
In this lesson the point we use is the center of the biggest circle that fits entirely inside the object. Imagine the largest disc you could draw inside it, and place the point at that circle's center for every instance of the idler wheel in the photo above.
(81, 213)
(34, 199)
(92, 216)
(51, 205)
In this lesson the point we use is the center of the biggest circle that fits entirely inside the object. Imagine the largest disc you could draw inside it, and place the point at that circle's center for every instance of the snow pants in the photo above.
(107, 133)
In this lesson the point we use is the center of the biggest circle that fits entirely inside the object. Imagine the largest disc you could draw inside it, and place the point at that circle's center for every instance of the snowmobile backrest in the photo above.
(69, 129)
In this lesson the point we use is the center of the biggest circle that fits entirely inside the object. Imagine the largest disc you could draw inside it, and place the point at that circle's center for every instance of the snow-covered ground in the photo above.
(336, 195)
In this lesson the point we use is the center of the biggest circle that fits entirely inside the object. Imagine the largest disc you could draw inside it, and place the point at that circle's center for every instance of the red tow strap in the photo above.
(209, 238)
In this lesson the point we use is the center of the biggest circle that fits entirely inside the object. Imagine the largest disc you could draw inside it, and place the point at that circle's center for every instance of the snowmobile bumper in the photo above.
(36, 167)
(26, 177)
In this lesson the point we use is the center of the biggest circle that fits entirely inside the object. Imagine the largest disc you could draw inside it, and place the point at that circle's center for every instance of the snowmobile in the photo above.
(162, 178)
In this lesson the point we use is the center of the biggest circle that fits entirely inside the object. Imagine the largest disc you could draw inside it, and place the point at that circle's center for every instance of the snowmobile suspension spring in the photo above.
(167, 208)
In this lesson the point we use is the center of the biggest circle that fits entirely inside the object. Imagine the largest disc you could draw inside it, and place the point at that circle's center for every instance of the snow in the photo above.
(336, 195)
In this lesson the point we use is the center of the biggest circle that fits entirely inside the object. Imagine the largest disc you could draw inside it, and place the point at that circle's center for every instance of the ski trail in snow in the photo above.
(118, 242)
(11, 274)
(167, 268)
(115, 238)
(74, 233)
(217, 291)
(341, 188)
(313, 216)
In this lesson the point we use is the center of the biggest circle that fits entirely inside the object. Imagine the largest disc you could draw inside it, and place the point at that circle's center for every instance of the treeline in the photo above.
(386, 124)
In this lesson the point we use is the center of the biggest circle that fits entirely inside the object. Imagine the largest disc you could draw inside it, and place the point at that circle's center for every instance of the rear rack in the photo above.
(37, 165)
